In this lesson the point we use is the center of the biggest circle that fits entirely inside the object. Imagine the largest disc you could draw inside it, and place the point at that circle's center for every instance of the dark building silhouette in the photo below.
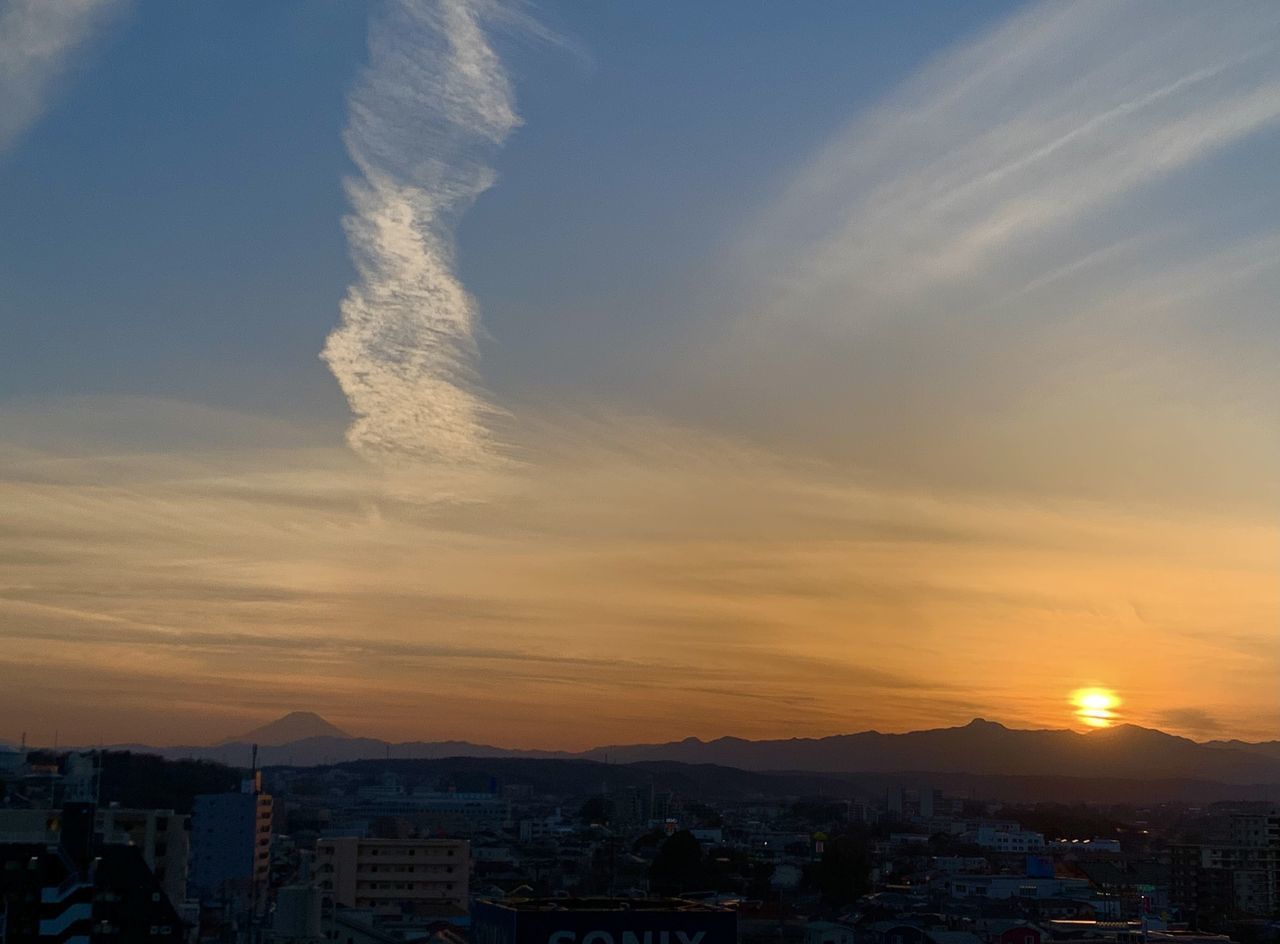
(79, 891)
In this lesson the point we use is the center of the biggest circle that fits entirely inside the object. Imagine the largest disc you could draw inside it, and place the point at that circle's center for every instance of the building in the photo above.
(1000, 838)
(161, 837)
(1237, 877)
(895, 801)
(827, 932)
(297, 916)
(231, 844)
(930, 800)
(429, 811)
(889, 932)
(602, 921)
(30, 825)
(394, 874)
(1001, 887)
(81, 891)
(1087, 847)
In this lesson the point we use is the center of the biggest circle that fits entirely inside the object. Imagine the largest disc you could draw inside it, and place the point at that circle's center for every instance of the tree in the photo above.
(678, 865)
(844, 872)
(150, 782)
(595, 810)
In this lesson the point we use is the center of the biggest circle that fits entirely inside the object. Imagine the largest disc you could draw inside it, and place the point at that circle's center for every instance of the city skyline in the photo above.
(555, 376)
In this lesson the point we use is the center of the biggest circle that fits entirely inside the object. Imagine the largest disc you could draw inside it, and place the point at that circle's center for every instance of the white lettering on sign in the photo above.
(628, 937)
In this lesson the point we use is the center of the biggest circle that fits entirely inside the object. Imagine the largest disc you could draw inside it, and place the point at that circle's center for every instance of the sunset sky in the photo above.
(565, 374)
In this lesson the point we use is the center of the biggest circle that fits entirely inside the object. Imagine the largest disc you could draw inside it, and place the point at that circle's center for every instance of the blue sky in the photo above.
(638, 370)
(180, 199)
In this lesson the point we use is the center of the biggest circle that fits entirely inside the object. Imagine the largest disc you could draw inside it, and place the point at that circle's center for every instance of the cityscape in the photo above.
(639, 472)
(510, 848)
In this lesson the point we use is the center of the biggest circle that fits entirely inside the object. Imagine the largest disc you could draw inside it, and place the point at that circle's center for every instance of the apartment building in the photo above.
(389, 875)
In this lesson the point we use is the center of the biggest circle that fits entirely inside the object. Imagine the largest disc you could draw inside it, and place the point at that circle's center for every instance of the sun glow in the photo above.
(1096, 707)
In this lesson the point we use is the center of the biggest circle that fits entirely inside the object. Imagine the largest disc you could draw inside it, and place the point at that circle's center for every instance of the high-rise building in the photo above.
(894, 803)
(1236, 877)
(231, 844)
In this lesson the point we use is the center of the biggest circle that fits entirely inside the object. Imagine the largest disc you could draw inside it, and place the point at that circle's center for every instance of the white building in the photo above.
(1016, 840)
(385, 874)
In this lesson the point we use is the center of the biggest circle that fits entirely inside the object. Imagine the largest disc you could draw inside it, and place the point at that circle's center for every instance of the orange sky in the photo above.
(956, 403)
(712, 589)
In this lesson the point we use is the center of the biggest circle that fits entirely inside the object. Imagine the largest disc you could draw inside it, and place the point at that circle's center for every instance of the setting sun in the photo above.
(1095, 707)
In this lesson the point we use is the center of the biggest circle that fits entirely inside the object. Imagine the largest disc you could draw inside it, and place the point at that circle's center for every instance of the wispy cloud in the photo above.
(623, 588)
(424, 118)
(38, 41)
(1194, 721)
(1020, 135)
(1046, 264)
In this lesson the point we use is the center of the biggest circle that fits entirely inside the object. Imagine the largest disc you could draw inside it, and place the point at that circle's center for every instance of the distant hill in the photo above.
(295, 726)
(149, 781)
(1266, 748)
(586, 778)
(978, 749)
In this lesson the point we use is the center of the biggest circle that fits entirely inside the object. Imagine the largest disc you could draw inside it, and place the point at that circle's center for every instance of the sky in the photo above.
(557, 374)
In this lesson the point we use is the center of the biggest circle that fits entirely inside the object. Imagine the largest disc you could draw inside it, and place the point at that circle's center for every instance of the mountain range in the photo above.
(980, 748)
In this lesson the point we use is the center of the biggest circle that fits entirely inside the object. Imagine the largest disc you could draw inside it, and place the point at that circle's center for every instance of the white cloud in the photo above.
(38, 40)
(423, 120)
(1042, 263)
(1019, 136)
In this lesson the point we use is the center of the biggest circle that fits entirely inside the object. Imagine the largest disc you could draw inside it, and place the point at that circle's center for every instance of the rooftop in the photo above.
(604, 904)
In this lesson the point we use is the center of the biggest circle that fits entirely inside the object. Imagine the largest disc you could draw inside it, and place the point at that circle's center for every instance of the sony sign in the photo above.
(626, 937)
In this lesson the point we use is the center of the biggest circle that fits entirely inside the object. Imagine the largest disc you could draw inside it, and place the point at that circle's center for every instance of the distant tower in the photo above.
(894, 801)
(926, 802)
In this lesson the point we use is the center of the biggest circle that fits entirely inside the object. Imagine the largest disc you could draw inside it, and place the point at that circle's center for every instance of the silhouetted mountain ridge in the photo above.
(295, 726)
(981, 747)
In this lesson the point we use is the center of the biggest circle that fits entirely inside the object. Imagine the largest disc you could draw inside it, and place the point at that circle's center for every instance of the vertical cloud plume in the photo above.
(424, 118)
(37, 41)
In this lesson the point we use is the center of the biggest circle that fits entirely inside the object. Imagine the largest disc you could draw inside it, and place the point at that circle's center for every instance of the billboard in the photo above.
(556, 922)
